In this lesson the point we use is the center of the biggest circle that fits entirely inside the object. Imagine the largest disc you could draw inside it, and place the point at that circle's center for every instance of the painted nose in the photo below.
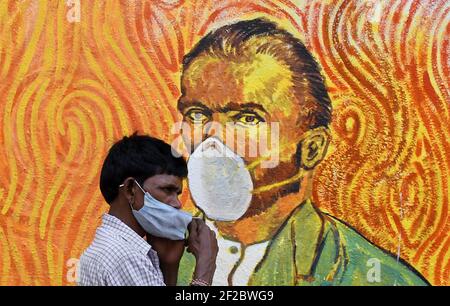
(212, 143)
(213, 129)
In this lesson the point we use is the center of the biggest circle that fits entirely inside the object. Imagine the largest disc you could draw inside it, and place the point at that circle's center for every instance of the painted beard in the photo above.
(263, 201)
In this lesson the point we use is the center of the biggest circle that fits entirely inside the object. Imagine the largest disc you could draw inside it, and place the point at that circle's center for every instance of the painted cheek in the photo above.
(194, 136)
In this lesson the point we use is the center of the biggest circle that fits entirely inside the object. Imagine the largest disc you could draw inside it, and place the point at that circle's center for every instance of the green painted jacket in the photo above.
(312, 248)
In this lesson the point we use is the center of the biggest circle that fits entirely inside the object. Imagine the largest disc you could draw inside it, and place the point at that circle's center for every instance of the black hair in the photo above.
(141, 157)
(231, 42)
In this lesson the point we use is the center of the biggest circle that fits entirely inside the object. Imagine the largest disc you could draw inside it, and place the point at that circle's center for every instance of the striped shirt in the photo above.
(118, 256)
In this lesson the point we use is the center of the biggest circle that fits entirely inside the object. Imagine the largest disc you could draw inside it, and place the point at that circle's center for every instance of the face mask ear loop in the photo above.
(265, 188)
(131, 206)
(140, 186)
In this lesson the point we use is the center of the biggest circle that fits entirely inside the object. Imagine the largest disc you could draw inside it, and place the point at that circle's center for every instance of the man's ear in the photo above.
(129, 189)
(314, 147)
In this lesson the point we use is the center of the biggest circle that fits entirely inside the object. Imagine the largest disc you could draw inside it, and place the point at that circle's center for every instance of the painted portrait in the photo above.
(268, 229)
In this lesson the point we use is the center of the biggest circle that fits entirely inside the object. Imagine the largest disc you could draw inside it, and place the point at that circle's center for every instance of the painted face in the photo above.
(249, 93)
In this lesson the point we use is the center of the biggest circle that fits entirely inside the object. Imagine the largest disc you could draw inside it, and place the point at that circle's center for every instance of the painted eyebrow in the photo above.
(232, 106)
(236, 106)
(182, 105)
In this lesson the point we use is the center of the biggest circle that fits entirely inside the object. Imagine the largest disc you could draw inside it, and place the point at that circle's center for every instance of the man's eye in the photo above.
(196, 116)
(169, 190)
(249, 119)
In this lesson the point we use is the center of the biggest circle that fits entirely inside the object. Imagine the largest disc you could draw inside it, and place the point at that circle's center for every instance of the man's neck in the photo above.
(264, 226)
(125, 215)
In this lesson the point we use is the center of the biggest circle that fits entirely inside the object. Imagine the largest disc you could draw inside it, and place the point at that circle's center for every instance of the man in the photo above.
(141, 181)
(249, 73)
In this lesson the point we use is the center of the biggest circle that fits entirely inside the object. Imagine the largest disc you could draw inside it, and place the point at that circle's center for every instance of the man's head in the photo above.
(252, 72)
(147, 161)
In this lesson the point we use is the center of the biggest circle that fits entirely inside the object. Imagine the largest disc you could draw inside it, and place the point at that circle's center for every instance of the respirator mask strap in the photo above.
(290, 180)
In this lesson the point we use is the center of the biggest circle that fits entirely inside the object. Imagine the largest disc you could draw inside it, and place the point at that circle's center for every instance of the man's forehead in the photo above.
(257, 67)
(218, 82)
(211, 81)
(164, 179)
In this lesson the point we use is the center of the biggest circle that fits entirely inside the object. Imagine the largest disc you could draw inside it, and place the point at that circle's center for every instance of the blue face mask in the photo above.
(161, 220)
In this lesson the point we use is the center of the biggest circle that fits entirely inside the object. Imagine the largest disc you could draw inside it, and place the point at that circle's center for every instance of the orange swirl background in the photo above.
(69, 90)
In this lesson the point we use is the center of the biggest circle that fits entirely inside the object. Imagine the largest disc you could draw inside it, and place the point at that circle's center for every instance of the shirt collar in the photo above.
(125, 232)
(307, 231)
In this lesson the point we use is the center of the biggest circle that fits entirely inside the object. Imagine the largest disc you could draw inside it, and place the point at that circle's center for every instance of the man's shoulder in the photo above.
(343, 250)
(364, 257)
(106, 251)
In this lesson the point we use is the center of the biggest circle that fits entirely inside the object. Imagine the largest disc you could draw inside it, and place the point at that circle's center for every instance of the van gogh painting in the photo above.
(355, 92)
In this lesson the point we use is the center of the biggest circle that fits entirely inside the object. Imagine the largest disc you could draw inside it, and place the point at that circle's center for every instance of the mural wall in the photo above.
(75, 76)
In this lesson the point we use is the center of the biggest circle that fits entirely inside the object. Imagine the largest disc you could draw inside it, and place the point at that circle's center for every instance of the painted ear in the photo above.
(314, 147)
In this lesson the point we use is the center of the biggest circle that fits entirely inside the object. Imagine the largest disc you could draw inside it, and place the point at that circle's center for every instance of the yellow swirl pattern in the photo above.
(69, 90)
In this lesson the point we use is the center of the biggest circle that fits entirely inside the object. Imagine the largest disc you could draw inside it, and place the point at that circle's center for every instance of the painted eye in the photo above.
(249, 119)
(196, 116)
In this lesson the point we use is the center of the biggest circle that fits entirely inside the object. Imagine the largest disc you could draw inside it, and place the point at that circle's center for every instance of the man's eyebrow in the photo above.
(232, 106)
(172, 186)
